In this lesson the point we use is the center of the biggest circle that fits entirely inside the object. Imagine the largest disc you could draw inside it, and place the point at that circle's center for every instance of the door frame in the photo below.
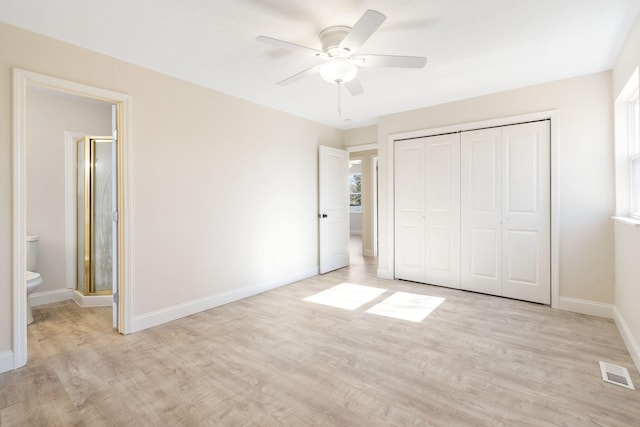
(373, 196)
(374, 204)
(22, 79)
(388, 271)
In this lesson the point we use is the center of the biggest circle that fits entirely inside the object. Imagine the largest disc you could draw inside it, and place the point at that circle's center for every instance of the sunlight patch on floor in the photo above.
(346, 295)
(407, 306)
(400, 305)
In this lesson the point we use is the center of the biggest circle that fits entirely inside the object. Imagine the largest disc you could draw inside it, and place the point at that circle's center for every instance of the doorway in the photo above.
(23, 81)
(364, 217)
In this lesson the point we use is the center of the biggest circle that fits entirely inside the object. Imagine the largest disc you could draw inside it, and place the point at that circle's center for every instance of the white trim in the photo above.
(555, 206)
(125, 286)
(621, 145)
(91, 300)
(70, 212)
(388, 271)
(6, 361)
(592, 308)
(627, 220)
(21, 80)
(168, 314)
(627, 336)
(47, 297)
(362, 147)
(374, 206)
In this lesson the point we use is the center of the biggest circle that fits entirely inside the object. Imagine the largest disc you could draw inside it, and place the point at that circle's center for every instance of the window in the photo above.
(355, 185)
(355, 189)
(634, 153)
(627, 149)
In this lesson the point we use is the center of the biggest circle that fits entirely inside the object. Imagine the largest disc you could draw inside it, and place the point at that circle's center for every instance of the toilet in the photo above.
(33, 279)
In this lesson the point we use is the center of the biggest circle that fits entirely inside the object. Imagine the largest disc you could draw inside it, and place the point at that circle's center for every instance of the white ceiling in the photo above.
(474, 47)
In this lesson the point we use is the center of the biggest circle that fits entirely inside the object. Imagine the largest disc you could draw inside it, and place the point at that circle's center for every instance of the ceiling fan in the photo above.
(340, 46)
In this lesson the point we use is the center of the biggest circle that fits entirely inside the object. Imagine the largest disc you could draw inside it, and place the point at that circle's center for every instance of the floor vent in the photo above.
(616, 375)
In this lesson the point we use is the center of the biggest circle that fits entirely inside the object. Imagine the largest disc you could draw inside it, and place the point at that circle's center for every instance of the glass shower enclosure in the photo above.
(94, 216)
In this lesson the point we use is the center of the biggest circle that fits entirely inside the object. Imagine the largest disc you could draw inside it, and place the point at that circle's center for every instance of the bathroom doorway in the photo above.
(94, 219)
(24, 82)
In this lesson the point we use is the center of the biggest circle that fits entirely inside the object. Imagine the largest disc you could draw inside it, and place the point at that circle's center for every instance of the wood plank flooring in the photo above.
(276, 360)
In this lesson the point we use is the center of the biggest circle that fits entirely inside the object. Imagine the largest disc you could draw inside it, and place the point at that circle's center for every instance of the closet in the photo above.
(472, 210)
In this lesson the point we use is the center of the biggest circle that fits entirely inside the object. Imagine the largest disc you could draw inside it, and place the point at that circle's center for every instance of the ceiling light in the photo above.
(337, 71)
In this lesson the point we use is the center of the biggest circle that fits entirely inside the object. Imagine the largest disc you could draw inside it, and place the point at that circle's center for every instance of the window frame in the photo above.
(633, 141)
(626, 152)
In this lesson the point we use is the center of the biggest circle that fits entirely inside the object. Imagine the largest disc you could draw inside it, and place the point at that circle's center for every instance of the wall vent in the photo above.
(616, 375)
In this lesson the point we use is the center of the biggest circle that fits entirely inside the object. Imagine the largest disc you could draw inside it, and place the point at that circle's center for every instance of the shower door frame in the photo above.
(22, 79)
(89, 181)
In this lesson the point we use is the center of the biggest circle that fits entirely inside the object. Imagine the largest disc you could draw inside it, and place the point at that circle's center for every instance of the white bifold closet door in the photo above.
(427, 210)
(505, 211)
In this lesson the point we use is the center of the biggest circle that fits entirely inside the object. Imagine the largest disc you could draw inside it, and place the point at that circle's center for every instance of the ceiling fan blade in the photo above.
(302, 74)
(389, 61)
(354, 87)
(362, 30)
(291, 46)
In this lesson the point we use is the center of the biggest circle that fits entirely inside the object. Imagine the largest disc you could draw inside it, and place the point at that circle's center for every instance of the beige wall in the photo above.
(628, 60)
(218, 183)
(361, 136)
(627, 267)
(50, 115)
(585, 171)
(627, 237)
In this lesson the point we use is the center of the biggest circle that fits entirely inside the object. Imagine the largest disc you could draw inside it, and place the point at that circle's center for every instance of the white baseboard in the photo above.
(6, 361)
(582, 306)
(629, 340)
(168, 314)
(92, 301)
(40, 298)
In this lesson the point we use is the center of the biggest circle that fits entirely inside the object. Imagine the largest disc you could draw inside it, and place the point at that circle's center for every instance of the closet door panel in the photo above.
(442, 172)
(410, 189)
(526, 216)
(481, 234)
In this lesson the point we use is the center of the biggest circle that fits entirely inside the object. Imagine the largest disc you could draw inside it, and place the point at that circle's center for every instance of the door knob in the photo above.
(324, 215)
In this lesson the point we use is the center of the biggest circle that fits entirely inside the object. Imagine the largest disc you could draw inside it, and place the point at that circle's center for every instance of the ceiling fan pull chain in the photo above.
(339, 99)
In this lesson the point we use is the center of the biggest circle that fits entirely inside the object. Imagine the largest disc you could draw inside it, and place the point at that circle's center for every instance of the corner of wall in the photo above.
(158, 317)
(627, 336)
(592, 308)
(6, 361)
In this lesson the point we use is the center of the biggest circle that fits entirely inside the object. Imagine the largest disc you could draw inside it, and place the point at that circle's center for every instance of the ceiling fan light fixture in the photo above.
(338, 72)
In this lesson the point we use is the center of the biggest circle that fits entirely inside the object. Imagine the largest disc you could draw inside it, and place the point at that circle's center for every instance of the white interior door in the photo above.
(526, 201)
(481, 211)
(506, 211)
(442, 210)
(410, 191)
(114, 204)
(334, 208)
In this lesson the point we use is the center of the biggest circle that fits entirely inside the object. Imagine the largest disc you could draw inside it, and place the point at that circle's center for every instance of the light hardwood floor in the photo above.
(275, 359)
